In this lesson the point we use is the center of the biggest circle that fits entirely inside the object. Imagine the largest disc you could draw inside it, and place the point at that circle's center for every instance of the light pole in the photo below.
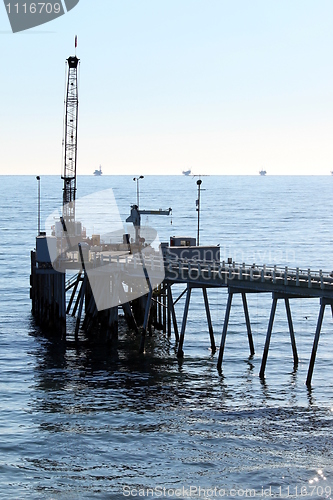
(137, 187)
(199, 182)
(38, 204)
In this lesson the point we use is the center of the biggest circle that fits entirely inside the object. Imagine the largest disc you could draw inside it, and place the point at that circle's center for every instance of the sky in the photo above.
(223, 87)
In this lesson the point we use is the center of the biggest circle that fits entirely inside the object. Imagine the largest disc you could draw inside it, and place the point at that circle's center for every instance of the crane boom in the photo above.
(70, 144)
(135, 218)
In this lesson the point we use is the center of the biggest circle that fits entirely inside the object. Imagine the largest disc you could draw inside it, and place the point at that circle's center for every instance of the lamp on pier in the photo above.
(137, 188)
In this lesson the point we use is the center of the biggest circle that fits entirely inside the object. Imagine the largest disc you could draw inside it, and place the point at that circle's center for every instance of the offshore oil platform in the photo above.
(80, 275)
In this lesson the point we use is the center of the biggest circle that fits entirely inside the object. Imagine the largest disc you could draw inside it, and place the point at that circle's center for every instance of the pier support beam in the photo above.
(277, 296)
(231, 292)
(91, 312)
(147, 311)
(209, 321)
(173, 313)
(78, 320)
(291, 330)
(268, 338)
(48, 296)
(145, 321)
(224, 332)
(316, 340)
(248, 324)
(130, 320)
(168, 311)
(126, 307)
(180, 353)
(180, 338)
(164, 307)
(159, 316)
(75, 285)
(76, 305)
(112, 325)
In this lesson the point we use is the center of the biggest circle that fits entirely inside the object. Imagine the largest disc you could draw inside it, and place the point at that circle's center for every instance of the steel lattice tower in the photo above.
(70, 143)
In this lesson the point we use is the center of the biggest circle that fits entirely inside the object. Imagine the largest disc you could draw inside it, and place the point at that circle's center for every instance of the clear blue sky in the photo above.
(219, 86)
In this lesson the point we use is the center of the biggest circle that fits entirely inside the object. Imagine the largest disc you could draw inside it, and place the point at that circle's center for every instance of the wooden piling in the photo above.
(164, 307)
(145, 321)
(180, 352)
(168, 289)
(48, 297)
(78, 320)
(173, 313)
(268, 338)
(112, 327)
(291, 331)
(209, 320)
(315, 342)
(224, 331)
(75, 286)
(248, 324)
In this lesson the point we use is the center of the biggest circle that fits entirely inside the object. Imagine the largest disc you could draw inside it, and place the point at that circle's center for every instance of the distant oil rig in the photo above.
(150, 305)
(98, 172)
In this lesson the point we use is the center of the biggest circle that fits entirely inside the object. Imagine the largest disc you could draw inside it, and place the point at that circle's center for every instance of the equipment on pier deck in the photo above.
(135, 218)
(70, 144)
(46, 249)
(182, 241)
(184, 248)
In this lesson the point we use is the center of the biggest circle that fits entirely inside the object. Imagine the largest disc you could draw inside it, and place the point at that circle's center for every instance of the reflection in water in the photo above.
(106, 418)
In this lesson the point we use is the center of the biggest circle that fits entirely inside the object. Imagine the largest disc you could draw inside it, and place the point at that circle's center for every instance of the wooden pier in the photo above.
(156, 307)
(283, 283)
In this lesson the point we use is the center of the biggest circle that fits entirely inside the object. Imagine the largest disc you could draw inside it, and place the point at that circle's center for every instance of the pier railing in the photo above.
(214, 273)
(223, 273)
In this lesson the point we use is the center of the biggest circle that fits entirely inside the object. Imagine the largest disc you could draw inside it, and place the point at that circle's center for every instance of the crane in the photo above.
(135, 218)
(70, 145)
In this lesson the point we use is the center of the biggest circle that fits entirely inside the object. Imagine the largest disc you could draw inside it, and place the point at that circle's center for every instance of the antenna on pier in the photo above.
(38, 205)
(137, 188)
(199, 182)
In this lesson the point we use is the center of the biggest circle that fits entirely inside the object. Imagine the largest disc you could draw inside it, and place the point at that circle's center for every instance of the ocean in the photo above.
(81, 422)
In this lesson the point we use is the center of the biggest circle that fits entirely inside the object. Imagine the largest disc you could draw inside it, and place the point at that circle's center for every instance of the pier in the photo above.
(53, 296)
(282, 283)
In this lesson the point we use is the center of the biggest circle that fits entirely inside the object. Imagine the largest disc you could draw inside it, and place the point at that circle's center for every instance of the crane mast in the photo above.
(70, 145)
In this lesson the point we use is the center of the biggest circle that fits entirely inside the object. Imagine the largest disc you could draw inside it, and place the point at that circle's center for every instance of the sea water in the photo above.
(89, 422)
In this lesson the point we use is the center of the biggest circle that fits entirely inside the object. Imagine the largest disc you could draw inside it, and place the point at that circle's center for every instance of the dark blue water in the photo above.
(90, 423)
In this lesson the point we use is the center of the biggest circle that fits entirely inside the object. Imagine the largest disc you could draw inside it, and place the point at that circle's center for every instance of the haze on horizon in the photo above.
(221, 87)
